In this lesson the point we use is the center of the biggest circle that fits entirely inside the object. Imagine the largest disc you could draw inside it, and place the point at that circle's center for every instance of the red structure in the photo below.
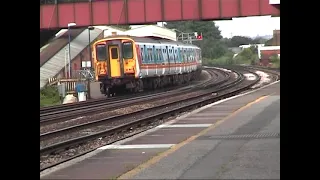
(111, 12)
(266, 54)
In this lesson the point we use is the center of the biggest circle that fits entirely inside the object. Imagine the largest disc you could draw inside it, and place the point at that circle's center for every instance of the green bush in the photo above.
(275, 60)
(49, 95)
(247, 56)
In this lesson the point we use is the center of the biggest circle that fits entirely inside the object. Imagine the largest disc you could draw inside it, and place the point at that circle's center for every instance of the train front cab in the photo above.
(115, 63)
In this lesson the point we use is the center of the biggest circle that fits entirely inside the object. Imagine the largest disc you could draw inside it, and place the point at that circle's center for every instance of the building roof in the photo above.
(153, 30)
(57, 62)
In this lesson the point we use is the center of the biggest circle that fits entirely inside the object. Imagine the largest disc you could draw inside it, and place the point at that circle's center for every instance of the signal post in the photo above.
(189, 37)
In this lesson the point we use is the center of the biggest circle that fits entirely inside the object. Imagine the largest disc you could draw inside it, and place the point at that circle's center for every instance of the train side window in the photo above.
(157, 55)
(164, 57)
(145, 54)
(160, 55)
(154, 54)
(151, 56)
(150, 59)
(179, 55)
(198, 55)
(158, 52)
(174, 54)
(186, 55)
(142, 54)
(192, 55)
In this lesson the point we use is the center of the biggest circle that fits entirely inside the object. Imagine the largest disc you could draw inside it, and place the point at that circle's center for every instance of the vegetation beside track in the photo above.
(49, 95)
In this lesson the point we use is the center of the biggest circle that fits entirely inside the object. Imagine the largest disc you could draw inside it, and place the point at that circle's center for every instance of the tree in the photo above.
(269, 42)
(237, 41)
(275, 60)
(247, 56)
(207, 28)
(259, 40)
(254, 49)
(211, 45)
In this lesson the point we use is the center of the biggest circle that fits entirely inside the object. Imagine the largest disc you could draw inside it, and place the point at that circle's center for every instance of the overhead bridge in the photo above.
(58, 13)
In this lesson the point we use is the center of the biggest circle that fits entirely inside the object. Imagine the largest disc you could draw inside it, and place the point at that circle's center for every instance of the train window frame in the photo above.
(142, 54)
(174, 54)
(159, 54)
(123, 50)
(105, 54)
(145, 54)
(156, 52)
(150, 55)
(178, 55)
(164, 57)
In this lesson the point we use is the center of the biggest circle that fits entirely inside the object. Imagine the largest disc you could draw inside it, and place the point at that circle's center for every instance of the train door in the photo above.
(115, 64)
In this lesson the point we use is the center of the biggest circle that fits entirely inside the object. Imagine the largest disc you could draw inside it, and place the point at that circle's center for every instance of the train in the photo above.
(135, 64)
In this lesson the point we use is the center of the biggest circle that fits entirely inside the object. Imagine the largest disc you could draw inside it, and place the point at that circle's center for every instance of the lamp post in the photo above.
(90, 59)
(90, 53)
(69, 34)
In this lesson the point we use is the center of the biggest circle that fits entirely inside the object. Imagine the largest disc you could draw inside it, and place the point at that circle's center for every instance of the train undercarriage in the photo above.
(111, 87)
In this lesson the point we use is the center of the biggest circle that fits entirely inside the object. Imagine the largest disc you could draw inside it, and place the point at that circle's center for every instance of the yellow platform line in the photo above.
(174, 148)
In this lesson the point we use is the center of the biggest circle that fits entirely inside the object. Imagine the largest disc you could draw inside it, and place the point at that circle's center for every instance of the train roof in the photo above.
(150, 39)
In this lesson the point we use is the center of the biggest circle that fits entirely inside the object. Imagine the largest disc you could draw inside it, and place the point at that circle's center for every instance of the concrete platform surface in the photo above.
(235, 138)
(245, 146)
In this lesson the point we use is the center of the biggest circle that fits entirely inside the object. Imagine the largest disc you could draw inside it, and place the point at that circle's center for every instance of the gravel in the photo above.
(118, 121)
(84, 119)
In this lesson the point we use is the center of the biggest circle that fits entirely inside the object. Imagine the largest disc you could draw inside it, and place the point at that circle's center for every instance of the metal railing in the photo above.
(64, 1)
(79, 76)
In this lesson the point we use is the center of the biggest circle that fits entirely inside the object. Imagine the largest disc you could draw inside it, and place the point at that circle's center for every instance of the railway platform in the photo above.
(238, 137)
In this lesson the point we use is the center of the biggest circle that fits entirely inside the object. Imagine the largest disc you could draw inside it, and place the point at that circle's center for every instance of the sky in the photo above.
(247, 26)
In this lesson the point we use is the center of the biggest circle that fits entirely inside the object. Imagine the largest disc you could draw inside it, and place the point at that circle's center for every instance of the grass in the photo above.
(49, 96)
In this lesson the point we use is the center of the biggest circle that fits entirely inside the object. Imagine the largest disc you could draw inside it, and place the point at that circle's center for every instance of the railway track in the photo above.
(63, 107)
(111, 119)
(140, 119)
(58, 114)
(272, 71)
